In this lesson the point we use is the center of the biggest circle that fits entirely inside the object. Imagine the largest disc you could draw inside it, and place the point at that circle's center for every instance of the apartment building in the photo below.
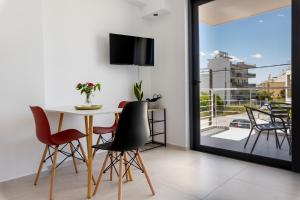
(230, 79)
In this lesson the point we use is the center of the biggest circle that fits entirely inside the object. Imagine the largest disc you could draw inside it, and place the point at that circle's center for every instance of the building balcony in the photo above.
(243, 75)
(242, 85)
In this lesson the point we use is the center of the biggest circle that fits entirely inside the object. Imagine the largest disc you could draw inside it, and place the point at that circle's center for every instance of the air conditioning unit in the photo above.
(155, 9)
(139, 3)
(152, 9)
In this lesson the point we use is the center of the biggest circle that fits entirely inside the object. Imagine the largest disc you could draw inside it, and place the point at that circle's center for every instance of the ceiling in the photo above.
(223, 11)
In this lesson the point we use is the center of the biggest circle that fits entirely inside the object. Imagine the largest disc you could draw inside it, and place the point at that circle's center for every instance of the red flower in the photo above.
(91, 84)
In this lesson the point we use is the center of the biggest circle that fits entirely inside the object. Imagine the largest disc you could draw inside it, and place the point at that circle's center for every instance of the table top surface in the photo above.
(72, 110)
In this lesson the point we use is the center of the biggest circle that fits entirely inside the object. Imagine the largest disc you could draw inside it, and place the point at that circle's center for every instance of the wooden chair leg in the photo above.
(41, 165)
(101, 173)
(111, 169)
(120, 177)
(126, 165)
(145, 172)
(95, 150)
(85, 159)
(73, 157)
(53, 173)
(130, 177)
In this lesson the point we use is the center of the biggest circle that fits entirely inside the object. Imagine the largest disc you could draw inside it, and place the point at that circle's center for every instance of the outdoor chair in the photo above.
(282, 110)
(275, 124)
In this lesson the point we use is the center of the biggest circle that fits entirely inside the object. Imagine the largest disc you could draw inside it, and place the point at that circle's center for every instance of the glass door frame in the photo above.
(194, 101)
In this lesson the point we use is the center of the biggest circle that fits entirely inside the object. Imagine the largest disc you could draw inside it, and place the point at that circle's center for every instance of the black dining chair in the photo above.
(131, 134)
(275, 124)
(283, 110)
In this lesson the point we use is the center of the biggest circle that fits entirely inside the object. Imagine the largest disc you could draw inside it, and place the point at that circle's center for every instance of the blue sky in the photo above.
(263, 40)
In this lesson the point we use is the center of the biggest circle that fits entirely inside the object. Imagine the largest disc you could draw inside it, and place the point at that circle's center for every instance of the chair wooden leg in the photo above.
(53, 173)
(120, 177)
(85, 159)
(74, 159)
(130, 177)
(41, 165)
(145, 172)
(126, 166)
(95, 150)
(111, 168)
(101, 173)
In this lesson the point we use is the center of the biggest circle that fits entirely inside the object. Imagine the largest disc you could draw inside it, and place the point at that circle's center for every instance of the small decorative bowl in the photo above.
(88, 107)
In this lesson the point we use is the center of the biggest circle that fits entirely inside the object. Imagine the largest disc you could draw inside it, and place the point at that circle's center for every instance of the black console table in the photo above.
(153, 143)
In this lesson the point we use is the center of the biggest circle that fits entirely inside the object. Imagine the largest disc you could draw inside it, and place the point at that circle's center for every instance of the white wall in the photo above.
(76, 38)
(170, 77)
(22, 84)
(47, 46)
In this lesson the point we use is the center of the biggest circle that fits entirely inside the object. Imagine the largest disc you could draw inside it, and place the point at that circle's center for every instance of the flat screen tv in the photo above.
(131, 50)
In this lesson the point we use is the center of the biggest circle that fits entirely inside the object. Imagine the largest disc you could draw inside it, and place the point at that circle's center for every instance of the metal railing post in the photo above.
(215, 108)
(211, 106)
(250, 96)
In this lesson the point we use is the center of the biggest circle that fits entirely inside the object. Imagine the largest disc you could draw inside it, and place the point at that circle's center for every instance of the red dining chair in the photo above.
(106, 130)
(58, 142)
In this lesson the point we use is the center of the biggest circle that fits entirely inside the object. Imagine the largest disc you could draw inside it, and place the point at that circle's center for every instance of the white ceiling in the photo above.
(223, 11)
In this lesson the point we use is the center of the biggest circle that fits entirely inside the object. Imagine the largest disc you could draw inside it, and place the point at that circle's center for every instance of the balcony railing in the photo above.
(242, 85)
(218, 107)
(243, 75)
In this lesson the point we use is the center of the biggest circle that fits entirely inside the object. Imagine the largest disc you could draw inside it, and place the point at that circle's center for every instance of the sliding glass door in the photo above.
(241, 79)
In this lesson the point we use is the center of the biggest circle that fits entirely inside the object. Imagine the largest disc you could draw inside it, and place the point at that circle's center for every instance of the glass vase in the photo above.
(88, 99)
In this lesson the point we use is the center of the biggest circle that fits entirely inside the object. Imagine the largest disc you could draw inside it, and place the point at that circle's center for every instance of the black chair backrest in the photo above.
(251, 116)
(133, 128)
(281, 110)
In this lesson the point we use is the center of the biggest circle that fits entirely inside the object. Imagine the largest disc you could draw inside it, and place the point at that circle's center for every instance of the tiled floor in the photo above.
(176, 175)
(264, 147)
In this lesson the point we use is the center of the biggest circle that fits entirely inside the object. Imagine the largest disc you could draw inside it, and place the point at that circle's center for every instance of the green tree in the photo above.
(282, 94)
(205, 99)
(262, 95)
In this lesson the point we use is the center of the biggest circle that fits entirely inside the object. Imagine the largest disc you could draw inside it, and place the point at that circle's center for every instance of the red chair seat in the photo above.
(66, 136)
(104, 130)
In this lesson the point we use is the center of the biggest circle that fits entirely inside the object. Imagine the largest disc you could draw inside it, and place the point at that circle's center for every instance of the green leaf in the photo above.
(142, 95)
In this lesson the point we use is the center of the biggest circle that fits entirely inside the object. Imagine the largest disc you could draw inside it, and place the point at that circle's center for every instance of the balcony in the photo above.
(225, 124)
(242, 75)
(242, 85)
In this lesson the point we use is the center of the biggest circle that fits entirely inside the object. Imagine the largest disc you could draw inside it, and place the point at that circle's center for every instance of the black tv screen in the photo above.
(131, 50)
